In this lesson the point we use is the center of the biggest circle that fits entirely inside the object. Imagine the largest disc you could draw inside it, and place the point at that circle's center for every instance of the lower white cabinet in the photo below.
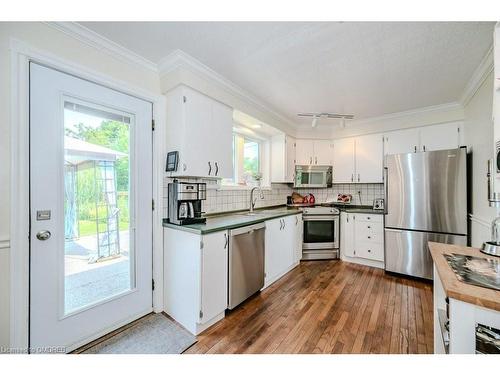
(362, 238)
(195, 277)
(299, 234)
(195, 269)
(283, 238)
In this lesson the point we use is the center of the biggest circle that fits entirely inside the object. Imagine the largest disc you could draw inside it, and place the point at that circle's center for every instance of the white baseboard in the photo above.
(362, 261)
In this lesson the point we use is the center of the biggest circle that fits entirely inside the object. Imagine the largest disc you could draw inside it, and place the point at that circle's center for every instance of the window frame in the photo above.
(263, 158)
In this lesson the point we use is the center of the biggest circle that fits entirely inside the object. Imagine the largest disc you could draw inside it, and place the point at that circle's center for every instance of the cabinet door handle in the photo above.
(352, 177)
(296, 220)
(216, 168)
(369, 251)
(315, 160)
(358, 177)
(281, 224)
(415, 149)
(284, 223)
(369, 237)
(424, 148)
(226, 240)
(369, 227)
(209, 168)
(311, 160)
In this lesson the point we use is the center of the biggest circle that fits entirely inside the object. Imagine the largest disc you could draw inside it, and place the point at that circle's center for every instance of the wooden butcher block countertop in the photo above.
(454, 288)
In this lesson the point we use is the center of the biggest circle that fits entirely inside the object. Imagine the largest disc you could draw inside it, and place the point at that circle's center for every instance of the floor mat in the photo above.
(153, 334)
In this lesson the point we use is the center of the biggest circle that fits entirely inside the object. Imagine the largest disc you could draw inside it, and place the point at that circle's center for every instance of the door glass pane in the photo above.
(317, 178)
(98, 259)
(319, 231)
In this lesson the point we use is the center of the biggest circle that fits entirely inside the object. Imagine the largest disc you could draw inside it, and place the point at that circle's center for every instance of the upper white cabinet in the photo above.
(282, 159)
(314, 152)
(426, 138)
(344, 160)
(439, 137)
(401, 141)
(323, 152)
(358, 160)
(369, 159)
(304, 151)
(200, 128)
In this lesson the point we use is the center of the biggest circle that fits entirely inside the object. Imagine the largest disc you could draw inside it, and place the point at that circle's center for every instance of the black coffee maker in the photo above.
(184, 202)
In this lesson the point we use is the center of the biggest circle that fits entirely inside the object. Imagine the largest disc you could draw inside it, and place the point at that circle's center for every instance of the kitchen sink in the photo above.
(253, 214)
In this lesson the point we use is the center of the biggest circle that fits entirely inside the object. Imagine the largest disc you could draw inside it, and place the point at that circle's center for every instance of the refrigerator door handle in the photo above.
(386, 175)
(393, 230)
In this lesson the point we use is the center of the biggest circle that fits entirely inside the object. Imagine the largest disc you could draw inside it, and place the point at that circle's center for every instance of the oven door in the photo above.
(321, 232)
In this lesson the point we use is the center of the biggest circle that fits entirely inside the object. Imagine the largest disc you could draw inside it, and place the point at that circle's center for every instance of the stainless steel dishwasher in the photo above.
(246, 262)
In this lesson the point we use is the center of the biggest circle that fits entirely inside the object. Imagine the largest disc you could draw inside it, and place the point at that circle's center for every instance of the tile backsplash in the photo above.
(368, 193)
(230, 200)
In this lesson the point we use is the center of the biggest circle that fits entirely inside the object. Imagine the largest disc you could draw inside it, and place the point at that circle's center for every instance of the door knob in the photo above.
(43, 235)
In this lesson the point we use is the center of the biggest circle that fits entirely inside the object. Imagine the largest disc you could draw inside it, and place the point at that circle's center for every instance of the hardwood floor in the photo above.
(328, 307)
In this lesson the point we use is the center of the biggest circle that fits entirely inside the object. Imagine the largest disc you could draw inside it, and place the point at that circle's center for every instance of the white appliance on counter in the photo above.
(321, 233)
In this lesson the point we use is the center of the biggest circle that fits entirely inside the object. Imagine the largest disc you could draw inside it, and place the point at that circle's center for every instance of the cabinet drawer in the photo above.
(370, 250)
(370, 231)
(373, 218)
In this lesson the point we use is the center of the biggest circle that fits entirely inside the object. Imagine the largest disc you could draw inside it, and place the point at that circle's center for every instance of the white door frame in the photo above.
(21, 54)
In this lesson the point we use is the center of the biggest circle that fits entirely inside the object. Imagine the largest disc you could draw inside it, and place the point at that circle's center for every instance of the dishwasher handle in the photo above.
(247, 229)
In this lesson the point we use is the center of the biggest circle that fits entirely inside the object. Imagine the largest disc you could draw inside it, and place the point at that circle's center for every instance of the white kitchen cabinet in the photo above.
(362, 238)
(347, 234)
(195, 277)
(314, 152)
(358, 159)
(323, 152)
(401, 141)
(282, 159)
(281, 247)
(439, 137)
(425, 138)
(200, 129)
(299, 234)
(304, 151)
(369, 159)
(344, 160)
(369, 237)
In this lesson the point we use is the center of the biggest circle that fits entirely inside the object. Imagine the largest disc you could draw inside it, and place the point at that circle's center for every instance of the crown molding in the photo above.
(102, 43)
(484, 68)
(403, 114)
(180, 59)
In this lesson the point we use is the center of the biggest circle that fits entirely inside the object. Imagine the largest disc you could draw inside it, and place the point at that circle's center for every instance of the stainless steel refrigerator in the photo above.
(425, 200)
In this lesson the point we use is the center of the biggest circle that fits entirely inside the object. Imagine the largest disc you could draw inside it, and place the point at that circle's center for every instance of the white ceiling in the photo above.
(363, 68)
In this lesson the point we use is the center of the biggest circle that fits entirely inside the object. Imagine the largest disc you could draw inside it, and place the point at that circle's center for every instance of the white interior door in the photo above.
(91, 217)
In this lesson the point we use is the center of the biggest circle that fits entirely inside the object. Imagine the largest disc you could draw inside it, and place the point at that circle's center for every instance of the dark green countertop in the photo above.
(359, 209)
(233, 220)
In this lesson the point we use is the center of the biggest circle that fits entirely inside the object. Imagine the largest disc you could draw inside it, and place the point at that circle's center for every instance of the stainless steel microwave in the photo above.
(313, 176)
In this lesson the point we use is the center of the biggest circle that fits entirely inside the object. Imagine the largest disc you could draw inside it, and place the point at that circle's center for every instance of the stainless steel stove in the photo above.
(321, 232)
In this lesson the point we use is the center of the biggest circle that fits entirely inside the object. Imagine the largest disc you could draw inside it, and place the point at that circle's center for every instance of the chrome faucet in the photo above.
(252, 201)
